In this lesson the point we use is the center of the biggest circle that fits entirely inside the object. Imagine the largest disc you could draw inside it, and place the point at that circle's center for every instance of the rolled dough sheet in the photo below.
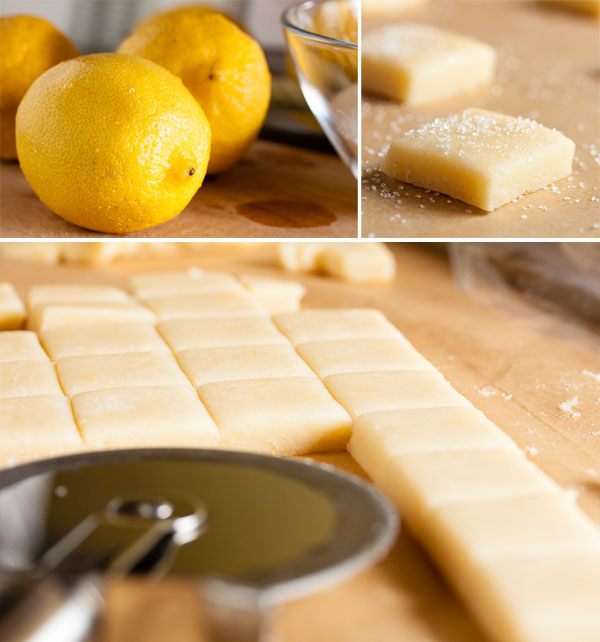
(20, 345)
(186, 334)
(106, 338)
(35, 427)
(365, 392)
(12, 309)
(27, 378)
(251, 415)
(127, 370)
(361, 355)
(144, 417)
(274, 295)
(192, 281)
(44, 294)
(202, 305)
(208, 365)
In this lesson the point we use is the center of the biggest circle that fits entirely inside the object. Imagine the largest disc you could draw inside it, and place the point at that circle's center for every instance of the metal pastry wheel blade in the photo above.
(254, 531)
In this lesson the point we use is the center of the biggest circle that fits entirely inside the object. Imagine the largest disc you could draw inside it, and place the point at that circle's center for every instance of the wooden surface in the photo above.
(274, 191)
(517, 369)
(549, 70)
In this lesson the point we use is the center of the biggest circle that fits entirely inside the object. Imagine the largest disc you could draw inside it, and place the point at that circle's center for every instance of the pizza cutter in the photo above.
(253, 531)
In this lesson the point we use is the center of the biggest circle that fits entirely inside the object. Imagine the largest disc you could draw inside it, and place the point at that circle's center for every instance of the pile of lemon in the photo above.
(118, 142)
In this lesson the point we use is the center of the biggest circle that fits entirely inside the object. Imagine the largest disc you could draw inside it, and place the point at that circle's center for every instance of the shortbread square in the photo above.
(274, 295)
(417, 63)
(193, 281)
(144, 417)
(26, 378)
(364, 392)
(185, 334)
(12, 309)
(361, 355)
(290, 416)
(207, 365)
(81, 374)
(481, 157)
(106, 338)
(202, 305)
(37, 426)
(20, 345)
(67, 293)
(326, 325)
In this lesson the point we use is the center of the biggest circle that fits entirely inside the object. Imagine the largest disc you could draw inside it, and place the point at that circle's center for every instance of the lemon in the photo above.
(224, 69)
(112, 143)
(28, 46)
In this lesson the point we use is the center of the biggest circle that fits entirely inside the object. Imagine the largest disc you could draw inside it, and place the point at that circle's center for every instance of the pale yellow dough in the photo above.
(483, 158)
(207, 365)
(144, 417)
(45, 294)
(185, 334)
(364, 392)
(34, 427)
(274, 295)
(326, 325)
(252, 415)
(20, 345)
(202, 305)
(12, 309)
(26, 378)
(418, 64)
(361, 355)
(108, 338)
(127, 370)
(192, 281)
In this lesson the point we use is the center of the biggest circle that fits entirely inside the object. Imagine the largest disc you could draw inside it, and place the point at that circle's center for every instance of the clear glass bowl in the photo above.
(327, 70)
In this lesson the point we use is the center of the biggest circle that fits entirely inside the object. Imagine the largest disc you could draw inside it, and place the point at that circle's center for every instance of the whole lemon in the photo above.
(28, 46)
(224, 69)
(112, 143)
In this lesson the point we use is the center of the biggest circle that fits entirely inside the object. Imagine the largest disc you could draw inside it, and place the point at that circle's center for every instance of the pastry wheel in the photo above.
(253, 532)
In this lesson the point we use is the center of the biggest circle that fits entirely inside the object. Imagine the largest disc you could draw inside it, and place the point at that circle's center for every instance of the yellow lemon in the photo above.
(112, 143)
(28, 46)
(223, 67)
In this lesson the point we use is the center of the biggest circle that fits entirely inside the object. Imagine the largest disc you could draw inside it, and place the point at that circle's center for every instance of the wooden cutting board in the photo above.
(518, 369)
(274, 191)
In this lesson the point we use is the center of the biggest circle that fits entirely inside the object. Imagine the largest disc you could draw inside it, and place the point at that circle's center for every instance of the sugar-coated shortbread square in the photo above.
(20, 345)
(159, 284)
(185, 334)
(67, 293)
(203, 304)
(364, 392)
(37, 426)
(144, 417)
(306, 326)
(26, 378)
(127, 370)
(12, 309)
(380, 436)
(481, 157)
(418, 63)
(106, 338)
(287, 416)
(207, 365)
(361, 355)
(274, 295)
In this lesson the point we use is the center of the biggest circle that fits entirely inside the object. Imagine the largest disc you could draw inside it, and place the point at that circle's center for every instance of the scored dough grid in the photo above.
(438, 458)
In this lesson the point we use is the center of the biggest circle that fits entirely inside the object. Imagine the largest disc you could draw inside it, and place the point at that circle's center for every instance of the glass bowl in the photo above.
(327, 70)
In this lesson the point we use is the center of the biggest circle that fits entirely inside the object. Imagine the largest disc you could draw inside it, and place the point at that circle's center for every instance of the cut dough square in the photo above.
(81, 374)
(144, 417)
(25, 378)
(35, 427)
(325, 325)
(274, 295)
(481, 157)
(207, 365)
(361, 355)
(201, 305)
(44, 294)
(417, 63)
(51, 315)
(21, 345)
(185, 334)
(380, 436)
(12, 310)
(107, 338)
(364, 392)
(420, 482)
(193, 281)
(290, 416)
(365, 262)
